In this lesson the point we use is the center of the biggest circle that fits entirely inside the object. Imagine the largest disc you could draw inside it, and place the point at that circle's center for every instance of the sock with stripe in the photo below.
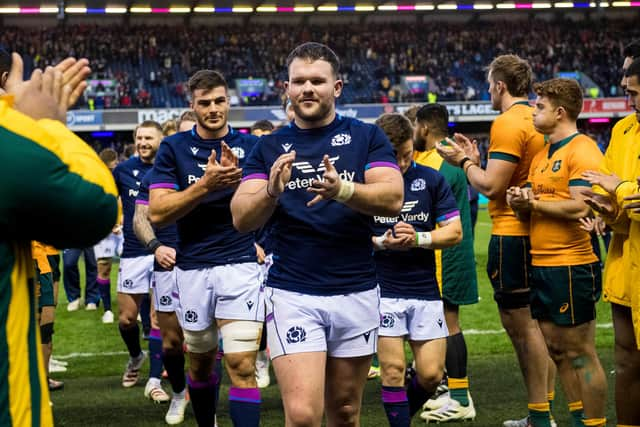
(131, 338)
(456, 364)
(174, 364)
(244, 406)
(201, 394)
(396, 406)
(577, 413)
(459, 390)
(539, 414)
(155, 354)
(595, 422)
(417, 396)
(551, 396)
(104, 287)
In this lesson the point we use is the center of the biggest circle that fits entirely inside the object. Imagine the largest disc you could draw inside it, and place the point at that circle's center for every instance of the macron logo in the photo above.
(409, 205)
(287, 147)
(136, 172)
(305, 167)
(194, 150)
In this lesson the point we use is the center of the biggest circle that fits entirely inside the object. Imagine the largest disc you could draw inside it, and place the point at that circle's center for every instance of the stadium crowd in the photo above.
(151, 63)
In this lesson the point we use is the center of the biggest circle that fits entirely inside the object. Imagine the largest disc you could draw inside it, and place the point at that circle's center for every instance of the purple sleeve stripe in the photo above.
(142, 202)
(448, 216)
(244, 394)
(256, 176)
(394, 396)
(381, 165)
(202, 384)
(163, 185)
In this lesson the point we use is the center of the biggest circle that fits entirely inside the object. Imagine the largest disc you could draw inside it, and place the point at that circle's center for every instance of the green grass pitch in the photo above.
(93, 395)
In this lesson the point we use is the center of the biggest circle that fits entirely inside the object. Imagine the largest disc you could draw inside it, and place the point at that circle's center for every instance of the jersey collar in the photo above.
(558, 145)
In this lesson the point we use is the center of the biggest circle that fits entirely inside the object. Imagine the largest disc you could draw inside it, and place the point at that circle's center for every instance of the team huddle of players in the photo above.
(339, 239)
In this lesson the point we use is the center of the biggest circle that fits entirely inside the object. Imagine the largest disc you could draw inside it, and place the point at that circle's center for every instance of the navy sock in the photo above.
(155, 354)
(202, 393)
(174, 364)
(396, 406)
(217, 371)
(244, 406)
(131, 338)
(417, 396)
(145, 312)
(104, 286)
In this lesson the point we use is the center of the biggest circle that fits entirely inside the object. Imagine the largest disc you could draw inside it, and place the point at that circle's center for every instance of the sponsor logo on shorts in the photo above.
(165, 300)
(366, 336)
(387, 320)
(249, 304)
(440, 322)
(127, 284)
(564, 307)
(296, 334)
(418, 184)
(190, 316)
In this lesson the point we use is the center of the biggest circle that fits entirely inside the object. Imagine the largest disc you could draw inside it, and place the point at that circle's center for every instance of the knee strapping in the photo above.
(512, 300)
(46, 333)
(241, 336)
(201, 341)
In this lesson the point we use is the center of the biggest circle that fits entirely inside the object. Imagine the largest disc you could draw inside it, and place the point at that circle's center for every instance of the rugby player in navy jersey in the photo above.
(161, 242)
(218, 277)
(320, 180)
(136, 264)
(411, 306)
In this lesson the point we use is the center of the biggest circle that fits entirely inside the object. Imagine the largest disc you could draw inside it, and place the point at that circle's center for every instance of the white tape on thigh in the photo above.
(201, 341)
(240, 336)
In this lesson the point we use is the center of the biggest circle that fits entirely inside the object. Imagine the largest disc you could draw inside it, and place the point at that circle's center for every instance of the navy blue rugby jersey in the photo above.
(324, 249)
(168, 235)
(206, 236)
(128, 176)
(428, 200)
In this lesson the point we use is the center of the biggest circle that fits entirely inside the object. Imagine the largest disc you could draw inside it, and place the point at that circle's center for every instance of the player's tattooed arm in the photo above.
(165, 255)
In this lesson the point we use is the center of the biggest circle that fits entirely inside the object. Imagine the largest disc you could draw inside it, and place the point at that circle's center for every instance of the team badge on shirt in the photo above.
(418, 184)
(238, 151)
(341, 139)
(556, 165)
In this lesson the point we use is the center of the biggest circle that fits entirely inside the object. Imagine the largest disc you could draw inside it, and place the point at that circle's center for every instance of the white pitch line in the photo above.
(500, 331)
(466, 332)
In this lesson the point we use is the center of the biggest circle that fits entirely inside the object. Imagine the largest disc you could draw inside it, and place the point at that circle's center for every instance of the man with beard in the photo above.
(136, 264)
(514, 142)
(320, 180)
(217, 273)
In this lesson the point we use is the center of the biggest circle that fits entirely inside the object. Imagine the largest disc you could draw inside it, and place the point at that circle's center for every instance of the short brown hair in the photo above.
(411, 112)
(187, 116)
(514, 71)
(397, 128)
(147, 124)
(207, 80)
(108, 155)
(565, 93)
(169, 127)
(315, 51)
